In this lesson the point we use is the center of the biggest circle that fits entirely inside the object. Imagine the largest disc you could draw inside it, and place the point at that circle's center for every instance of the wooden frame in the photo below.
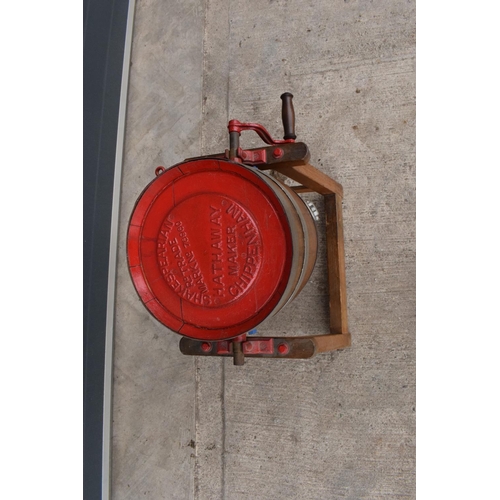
(297, 168)
(313, 180)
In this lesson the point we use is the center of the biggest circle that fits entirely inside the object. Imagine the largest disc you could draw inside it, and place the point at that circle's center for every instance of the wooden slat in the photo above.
(310, 177)
(336, 265)
(302, 189)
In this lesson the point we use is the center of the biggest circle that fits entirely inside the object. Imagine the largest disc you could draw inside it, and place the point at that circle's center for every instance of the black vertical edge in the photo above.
(104, 29)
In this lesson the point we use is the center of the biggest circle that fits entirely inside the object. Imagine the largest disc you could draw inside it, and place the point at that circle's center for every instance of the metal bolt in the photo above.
(283, 348)
(314, 211)
(206, 346)
(248, 346)
(278, 153)
(244, 155)
(238, 356)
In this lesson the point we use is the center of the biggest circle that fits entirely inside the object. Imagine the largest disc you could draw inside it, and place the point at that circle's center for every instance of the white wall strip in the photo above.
(113, 250)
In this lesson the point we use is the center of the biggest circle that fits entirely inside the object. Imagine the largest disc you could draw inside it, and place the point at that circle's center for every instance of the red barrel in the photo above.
(216, 247)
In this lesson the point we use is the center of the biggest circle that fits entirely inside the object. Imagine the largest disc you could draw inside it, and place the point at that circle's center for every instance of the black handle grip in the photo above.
(288, 116)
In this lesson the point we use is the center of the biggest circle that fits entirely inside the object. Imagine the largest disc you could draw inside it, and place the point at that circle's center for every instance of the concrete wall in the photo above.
(339, 426)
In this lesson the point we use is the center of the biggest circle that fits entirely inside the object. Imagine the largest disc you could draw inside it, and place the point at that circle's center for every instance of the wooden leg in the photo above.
(326, 343)
(336, 264)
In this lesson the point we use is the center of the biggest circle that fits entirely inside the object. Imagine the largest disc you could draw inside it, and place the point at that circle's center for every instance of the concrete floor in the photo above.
(339, 426)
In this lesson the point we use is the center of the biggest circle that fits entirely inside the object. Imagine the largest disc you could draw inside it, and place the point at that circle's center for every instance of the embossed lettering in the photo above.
(217, 260)
(215, 216)
(188, 269)
(227, 268)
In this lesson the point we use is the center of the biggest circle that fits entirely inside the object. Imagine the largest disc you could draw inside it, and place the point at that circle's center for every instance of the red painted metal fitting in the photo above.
(159, 170)
(283, 348)
(278, 153)
(206, 346)
(262, 346)
(222, 347)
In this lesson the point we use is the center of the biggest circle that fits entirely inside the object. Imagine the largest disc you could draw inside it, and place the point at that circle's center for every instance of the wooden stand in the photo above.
(313, 180)
(294, 163)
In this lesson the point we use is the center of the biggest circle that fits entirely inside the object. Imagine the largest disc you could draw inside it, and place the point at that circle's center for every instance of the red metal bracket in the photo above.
(258, 347)
(254, 156)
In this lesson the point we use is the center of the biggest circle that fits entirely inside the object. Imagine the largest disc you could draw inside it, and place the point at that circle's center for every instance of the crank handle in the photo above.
(288, 116)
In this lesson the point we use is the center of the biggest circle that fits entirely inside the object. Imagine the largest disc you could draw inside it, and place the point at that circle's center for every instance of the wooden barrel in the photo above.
(304, 238)
(215, 247)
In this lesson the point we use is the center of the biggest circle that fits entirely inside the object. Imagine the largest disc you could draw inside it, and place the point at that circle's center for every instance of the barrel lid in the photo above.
(209, 249)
